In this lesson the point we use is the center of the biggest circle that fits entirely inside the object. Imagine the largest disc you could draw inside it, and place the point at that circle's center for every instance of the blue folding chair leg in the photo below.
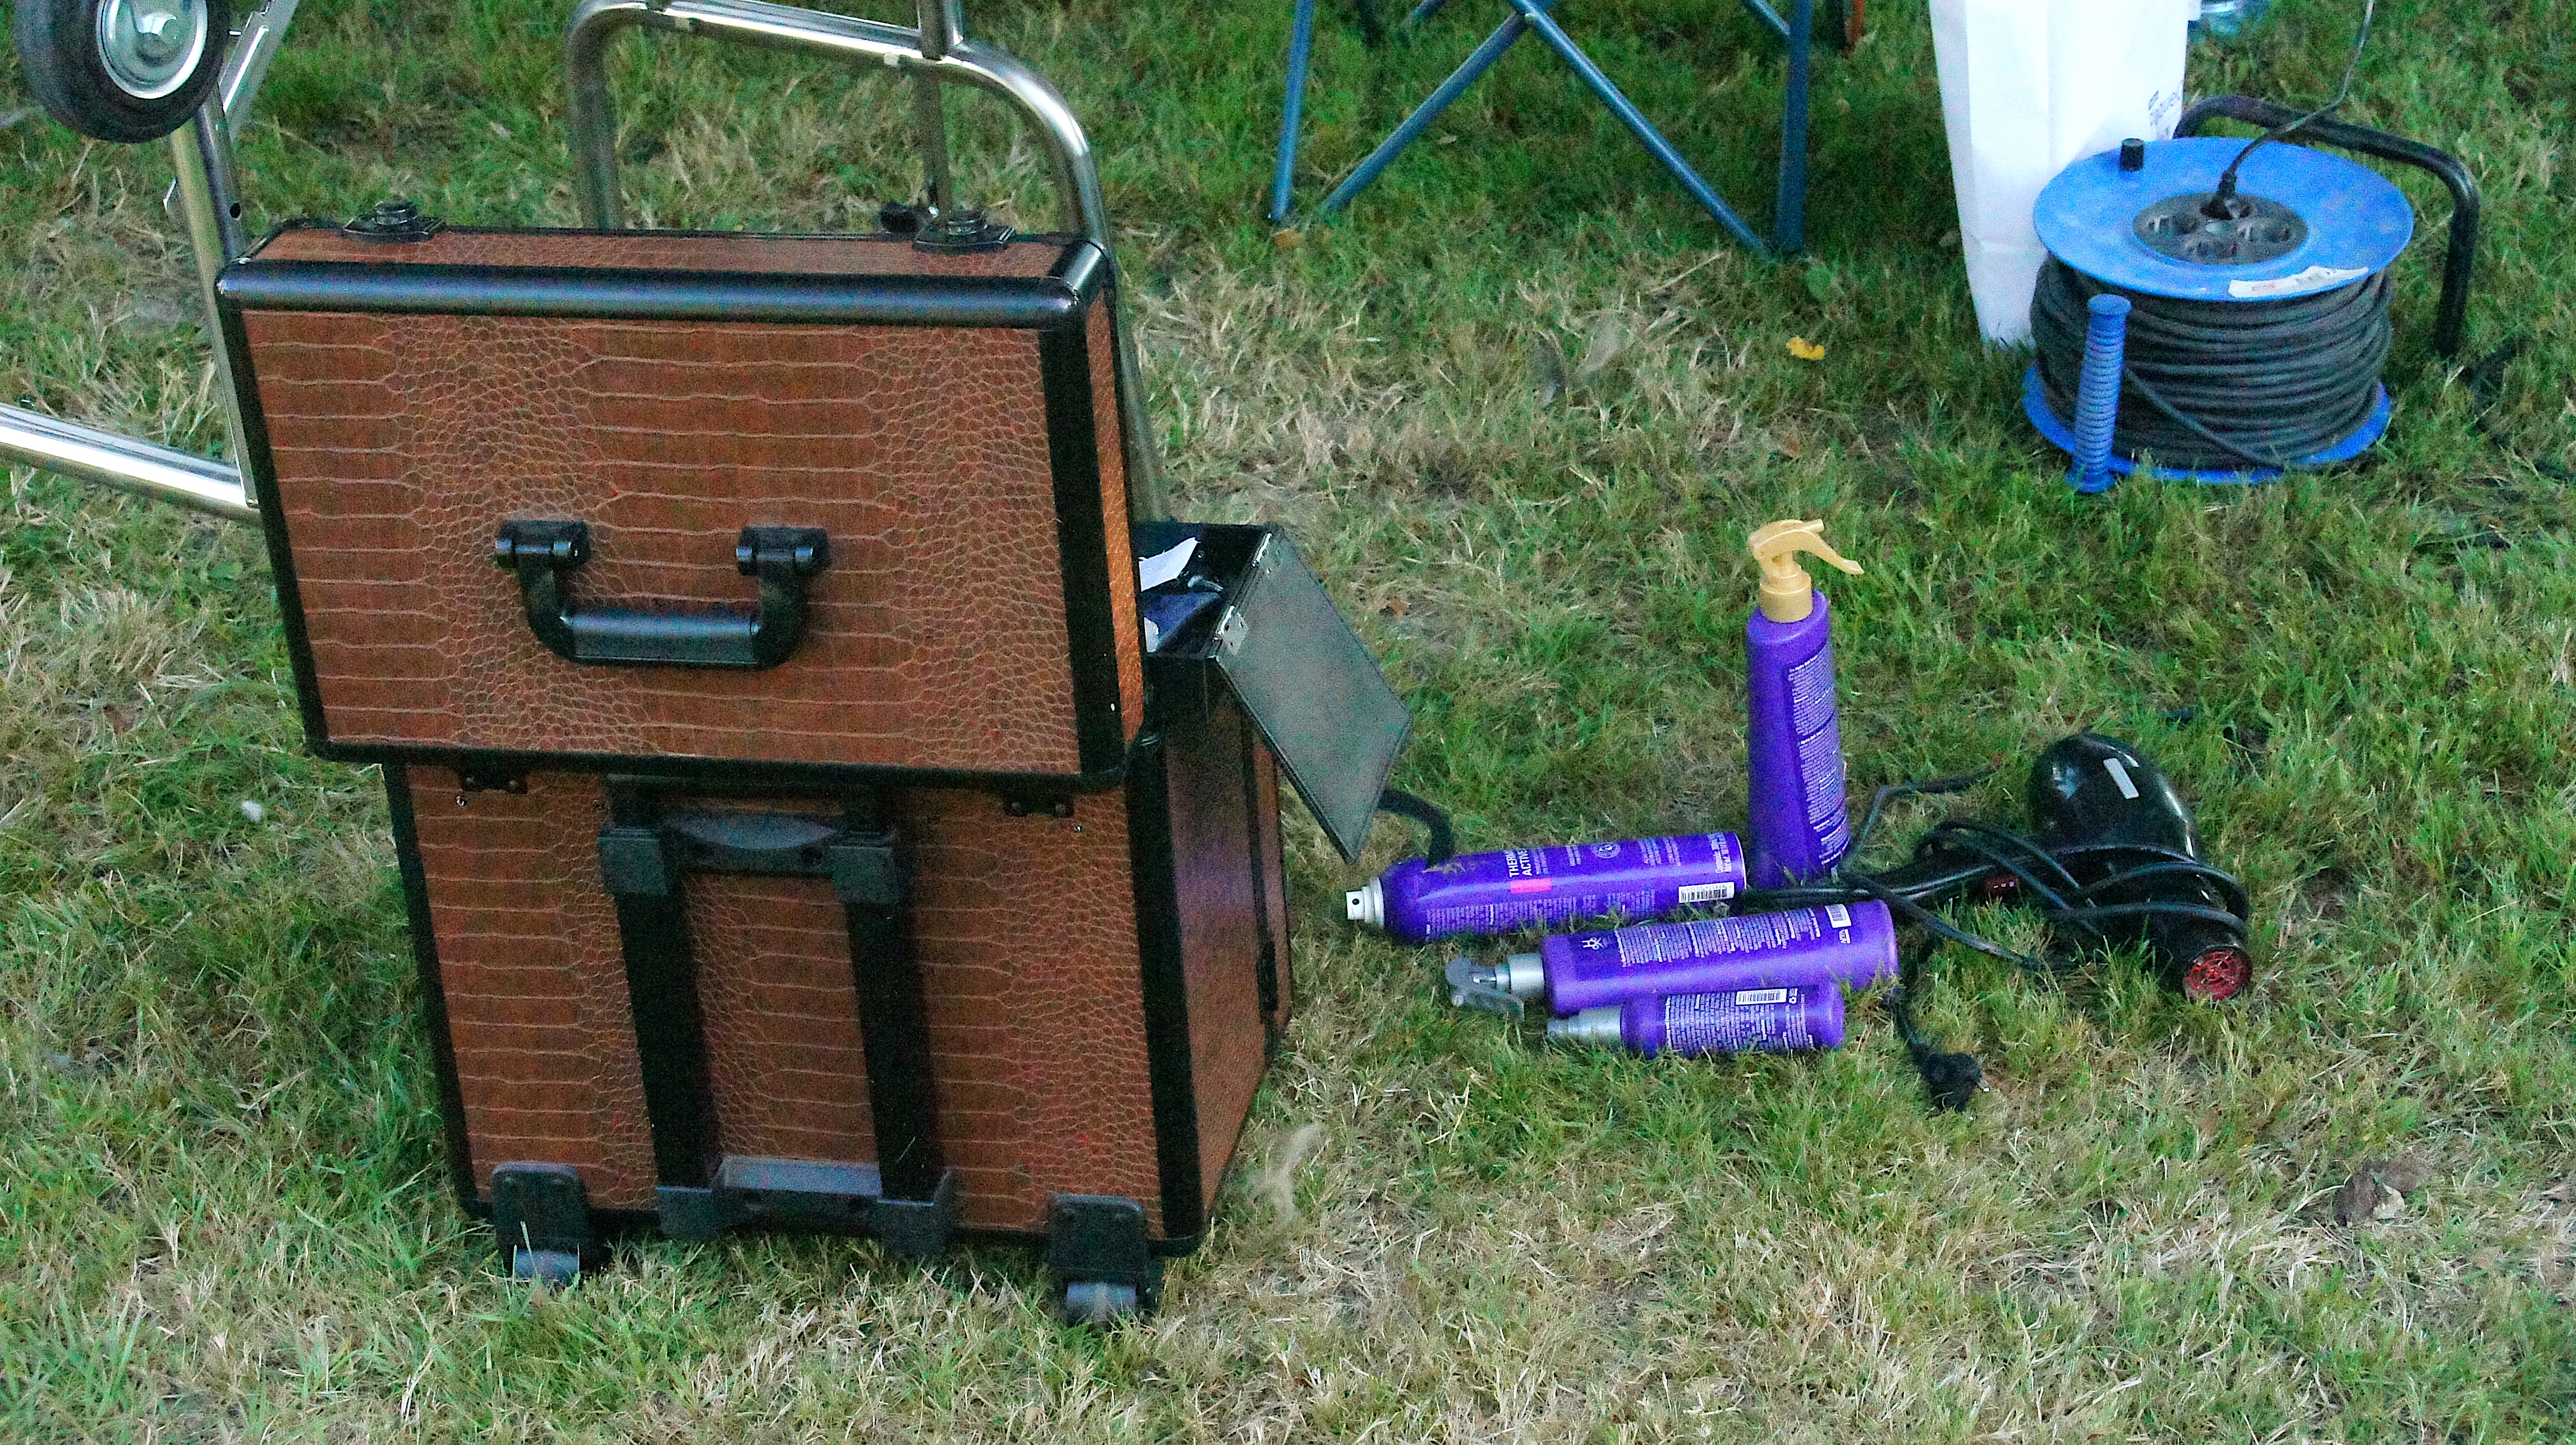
(1301, 47)
(1789, 206)
(1788, 226)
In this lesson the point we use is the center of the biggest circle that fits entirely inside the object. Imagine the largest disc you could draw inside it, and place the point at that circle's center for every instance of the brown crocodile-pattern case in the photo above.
(950, 465)
(1045, 947)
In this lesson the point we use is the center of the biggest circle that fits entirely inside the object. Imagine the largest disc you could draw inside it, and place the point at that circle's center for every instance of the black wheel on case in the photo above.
(122, 70)
(1093, 1302)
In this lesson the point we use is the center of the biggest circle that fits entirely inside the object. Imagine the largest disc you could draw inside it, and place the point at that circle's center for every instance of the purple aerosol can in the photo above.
(1850, 944)
(1773, 1020)
(1487, 893)
(1799, 827)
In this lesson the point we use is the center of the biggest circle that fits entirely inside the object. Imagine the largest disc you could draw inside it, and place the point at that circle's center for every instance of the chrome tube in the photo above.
(127, 463)
(592, 115)
(247, 65)
(203, 157)
(943, 27)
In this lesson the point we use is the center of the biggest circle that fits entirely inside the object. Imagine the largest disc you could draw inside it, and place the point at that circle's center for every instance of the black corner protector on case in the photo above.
(1082, 268)
(690, 1213)
(919, 1228)
(1101, 1238)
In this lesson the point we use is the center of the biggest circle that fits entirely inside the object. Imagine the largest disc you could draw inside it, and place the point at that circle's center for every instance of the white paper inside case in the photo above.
(2028, 86)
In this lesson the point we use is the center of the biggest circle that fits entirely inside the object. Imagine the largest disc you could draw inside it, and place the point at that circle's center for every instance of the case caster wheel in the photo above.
(1102, 1259)
(541, 1220)
(1098, 1303)
(557, 1267)
(122, 70)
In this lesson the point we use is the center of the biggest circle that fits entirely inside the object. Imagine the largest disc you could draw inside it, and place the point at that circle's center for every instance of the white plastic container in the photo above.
(2026, 87)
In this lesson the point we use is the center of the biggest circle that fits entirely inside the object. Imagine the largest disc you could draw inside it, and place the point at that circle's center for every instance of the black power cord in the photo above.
(2222, 199)
(1964, 861)
(2221, 384)
(1442, 844)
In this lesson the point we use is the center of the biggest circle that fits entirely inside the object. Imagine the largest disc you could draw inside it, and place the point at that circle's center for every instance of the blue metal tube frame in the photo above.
(1770, 18)
(1430, 110)
(1301, 47)
(1789, 208)
(1788, 228)
(1534, 13)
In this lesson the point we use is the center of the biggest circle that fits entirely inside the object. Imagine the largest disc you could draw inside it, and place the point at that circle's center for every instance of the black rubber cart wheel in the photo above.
(122, 70)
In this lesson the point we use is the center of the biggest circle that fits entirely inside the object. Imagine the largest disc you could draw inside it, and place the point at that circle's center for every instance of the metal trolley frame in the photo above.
(935, 54)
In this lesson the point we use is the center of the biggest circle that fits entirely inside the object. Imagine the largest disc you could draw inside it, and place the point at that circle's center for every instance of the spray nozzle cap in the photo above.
(1476, 986)
(1788, 594)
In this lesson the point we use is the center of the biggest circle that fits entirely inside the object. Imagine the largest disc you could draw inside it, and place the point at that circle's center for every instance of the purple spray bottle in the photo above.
(1835, 943)
(1773, 1020)
(1799, 827)
(1487, 893)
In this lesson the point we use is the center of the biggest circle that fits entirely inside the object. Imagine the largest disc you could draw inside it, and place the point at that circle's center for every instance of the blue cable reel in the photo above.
(2144, 228)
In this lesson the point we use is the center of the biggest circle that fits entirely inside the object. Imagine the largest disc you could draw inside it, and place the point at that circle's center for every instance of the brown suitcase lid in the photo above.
(1049, 285)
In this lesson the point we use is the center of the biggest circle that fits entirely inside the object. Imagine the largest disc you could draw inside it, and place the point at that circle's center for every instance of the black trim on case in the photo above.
(894, 1021)
(670, 1041)
(758, 774)
(272, 525)
(617, 293)
(1266, 980)
(1081, 268)
(661, 991)
(1082, 547)
(1165, 995)
(433, 988)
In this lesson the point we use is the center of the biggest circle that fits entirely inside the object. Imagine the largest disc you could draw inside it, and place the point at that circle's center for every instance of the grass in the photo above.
(222, 1207)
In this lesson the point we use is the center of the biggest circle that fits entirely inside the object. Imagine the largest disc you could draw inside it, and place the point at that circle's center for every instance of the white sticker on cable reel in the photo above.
(2315, 278)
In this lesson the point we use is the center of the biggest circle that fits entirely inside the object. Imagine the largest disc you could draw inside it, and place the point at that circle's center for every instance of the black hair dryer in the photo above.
(2114, 821)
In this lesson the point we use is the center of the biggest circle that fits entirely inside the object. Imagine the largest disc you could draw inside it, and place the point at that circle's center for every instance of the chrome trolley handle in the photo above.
(936, 54)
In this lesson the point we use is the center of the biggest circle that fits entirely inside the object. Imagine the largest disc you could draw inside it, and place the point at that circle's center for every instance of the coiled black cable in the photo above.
(1962, 860)
(2220, 385)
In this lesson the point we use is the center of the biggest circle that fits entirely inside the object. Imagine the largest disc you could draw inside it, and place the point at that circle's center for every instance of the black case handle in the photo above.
(907, 1197)
(783, 558)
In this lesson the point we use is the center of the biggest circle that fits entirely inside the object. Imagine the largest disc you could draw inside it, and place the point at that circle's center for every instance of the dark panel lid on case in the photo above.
(1301, 672)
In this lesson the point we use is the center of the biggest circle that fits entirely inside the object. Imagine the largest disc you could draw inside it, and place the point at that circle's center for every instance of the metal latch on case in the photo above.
(1231, 632)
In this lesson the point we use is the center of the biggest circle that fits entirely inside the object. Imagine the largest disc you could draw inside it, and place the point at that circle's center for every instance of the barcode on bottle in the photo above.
(1707, 892)
(1837, 915)
(1750, 996)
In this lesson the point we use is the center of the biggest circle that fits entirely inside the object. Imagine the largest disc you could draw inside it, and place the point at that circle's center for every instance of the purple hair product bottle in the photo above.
(1799, 827)
(1835, 943)
(1772, 1020)
(1488, 893)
